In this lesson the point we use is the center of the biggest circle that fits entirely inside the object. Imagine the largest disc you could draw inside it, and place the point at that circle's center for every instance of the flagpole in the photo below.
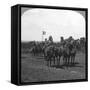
(42, 36)
(43, 33)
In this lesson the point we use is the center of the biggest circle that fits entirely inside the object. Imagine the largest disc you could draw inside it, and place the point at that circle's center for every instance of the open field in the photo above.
(34, 69)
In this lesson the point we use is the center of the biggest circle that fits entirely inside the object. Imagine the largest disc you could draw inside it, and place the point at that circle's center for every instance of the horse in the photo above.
(49, 55)
(69, 53)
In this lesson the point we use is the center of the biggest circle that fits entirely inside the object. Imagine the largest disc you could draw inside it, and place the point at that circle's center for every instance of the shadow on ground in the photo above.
(63, 66)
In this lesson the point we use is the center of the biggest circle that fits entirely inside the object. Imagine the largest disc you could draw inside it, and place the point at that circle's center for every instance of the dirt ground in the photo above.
(35, 69)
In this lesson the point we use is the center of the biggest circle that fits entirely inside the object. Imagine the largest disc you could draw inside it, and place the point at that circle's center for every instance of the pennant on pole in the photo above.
(44, 32)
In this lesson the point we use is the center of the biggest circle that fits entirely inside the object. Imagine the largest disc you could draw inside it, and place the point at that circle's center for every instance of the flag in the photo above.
(44, 32)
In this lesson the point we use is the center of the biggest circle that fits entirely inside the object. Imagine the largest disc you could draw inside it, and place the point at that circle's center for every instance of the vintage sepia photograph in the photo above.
(53, 45)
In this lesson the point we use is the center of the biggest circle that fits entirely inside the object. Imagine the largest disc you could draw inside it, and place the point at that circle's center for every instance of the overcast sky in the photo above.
(55, 22)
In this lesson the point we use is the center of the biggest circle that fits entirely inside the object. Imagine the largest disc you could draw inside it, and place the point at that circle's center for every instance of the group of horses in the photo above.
(53, 52)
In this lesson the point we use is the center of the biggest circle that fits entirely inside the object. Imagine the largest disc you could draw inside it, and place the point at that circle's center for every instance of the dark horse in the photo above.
(36, 50)
(69, 53)
(53, 53)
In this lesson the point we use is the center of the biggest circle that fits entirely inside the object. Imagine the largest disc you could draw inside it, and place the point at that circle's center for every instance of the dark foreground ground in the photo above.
(34, 69)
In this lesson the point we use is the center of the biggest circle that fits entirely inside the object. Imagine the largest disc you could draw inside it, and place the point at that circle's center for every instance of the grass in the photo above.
(34, 69)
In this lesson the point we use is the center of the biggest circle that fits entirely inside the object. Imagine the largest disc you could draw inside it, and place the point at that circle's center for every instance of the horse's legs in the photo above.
(54, 60)
(71, 59)
(47, 60)
(50, 61)
(47, 63)
(63, 60)
(68, 60)
(58, 62)
(59, 59)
